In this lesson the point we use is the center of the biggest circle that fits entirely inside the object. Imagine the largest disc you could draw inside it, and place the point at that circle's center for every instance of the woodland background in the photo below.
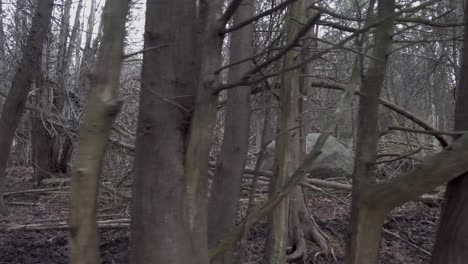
(139, 131)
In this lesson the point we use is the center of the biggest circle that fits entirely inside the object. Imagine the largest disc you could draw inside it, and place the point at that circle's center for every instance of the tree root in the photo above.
(303, 227)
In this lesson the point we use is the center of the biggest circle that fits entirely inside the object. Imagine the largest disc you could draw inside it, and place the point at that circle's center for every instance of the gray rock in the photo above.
(336, 160)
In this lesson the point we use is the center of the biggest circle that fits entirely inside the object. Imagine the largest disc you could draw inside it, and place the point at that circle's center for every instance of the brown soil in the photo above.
(410, 228)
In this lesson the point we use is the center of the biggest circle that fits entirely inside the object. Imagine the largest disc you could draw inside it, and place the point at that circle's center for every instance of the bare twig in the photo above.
(257, 17)
(126, 56)
(399, 157)
(398, 109)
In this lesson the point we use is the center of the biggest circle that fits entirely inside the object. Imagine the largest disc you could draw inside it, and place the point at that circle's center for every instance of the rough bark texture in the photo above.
(366, 223)
(288, 151)
(159, 229)
(25, 75)
(229, 170)
(101, 111)
(452, 234)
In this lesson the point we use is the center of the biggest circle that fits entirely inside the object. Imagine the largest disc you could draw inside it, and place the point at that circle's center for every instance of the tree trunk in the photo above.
(40, 137)
(452, 235)
(366, 222)
(264, 139)
(288, 150)
(26, 73)
(212, 21)
(159, 229)
(302, 225)
(102, 108)
(65, 155)
(229, 170)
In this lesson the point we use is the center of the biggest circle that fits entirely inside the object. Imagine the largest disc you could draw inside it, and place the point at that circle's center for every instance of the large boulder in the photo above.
(336, 160)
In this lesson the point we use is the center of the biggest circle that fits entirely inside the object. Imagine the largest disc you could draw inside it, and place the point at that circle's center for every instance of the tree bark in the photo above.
(212, 22)
(302, 225)
(41, 141)
(101, 111)
(229, 170)
(452, 235)
(366, 222)
(288, 150)
(159, 228)
(25, 74)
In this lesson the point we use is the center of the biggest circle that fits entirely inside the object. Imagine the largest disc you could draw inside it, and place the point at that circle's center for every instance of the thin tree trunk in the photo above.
(72, 46)
(103, 107)
(87, 61)
(67, 145)
(159, 228)
(230, 166)
(264, 138)
(366, 221)
(26, 73)
(452, 235)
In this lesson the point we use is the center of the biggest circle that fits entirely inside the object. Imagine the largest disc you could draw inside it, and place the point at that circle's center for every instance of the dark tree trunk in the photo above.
(65, 155)
(159, 229)
(452, 235)
(41, 143)
(40, 137)
(24, 77)
(226, 188)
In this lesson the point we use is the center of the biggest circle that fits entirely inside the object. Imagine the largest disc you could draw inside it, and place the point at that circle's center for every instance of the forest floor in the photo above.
(408, 232)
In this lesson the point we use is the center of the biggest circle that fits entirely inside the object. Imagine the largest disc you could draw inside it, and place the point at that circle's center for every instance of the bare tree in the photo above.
(103, 107)
(365, 222)
(25, 75)
(226, 188)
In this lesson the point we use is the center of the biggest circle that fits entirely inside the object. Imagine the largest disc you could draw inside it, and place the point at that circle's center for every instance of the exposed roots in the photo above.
(303, 227)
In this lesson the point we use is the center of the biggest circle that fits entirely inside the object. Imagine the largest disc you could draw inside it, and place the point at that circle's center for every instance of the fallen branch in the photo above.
(36, 191)
(436, 171)
(105, 187)
(104, 224)
(425, 252)
(398, 157)
(432, 132)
